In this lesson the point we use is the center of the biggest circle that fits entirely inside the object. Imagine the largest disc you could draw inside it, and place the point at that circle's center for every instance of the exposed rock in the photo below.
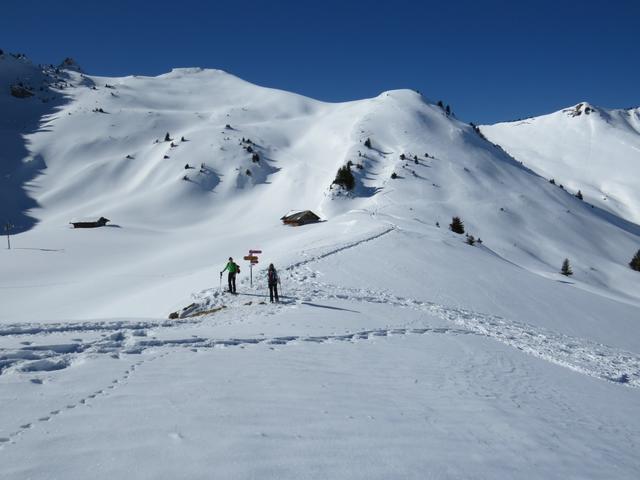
(20, 91)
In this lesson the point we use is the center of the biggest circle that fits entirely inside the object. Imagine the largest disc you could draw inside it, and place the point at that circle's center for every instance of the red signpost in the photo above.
(253, 260)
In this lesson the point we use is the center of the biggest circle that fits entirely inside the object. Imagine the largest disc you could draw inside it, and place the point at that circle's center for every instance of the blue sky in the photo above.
(491, 60)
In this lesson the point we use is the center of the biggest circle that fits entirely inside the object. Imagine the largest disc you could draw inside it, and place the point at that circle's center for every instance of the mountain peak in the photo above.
(70, 64)
(581, 108)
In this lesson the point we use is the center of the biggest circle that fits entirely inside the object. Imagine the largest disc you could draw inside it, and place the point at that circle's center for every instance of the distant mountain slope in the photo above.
(587, 148)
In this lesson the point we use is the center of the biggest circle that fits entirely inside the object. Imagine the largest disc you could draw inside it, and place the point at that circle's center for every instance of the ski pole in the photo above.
(220, 282)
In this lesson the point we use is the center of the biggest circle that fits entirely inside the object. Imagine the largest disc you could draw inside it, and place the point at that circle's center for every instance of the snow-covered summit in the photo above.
(583, 147)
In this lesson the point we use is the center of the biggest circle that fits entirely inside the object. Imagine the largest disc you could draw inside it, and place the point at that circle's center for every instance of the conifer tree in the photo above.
(367, 143)
(456, 225)
(566, 268)
(345, 178)
(635, 262)
(579, 195)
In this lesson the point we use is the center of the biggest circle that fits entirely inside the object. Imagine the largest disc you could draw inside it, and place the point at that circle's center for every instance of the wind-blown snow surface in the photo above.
(399, 351)
(591, 149)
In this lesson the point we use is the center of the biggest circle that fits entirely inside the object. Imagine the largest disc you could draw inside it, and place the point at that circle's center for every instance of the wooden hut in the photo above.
(296, 218)
(101, 222)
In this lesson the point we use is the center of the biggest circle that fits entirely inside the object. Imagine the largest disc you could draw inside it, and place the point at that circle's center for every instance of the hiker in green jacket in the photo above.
(233, 268)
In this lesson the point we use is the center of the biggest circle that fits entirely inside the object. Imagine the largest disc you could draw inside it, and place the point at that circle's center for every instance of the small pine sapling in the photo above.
(579, 195)
(367, 143)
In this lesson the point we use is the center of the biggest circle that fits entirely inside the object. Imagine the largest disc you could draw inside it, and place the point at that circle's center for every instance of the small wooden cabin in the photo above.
(297, 218)
(101, 222)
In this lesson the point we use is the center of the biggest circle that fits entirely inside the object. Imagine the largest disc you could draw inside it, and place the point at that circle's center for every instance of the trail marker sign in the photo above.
(252, 258)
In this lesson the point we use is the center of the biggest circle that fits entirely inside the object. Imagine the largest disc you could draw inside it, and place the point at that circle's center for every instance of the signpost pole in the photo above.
(252, 259)
(7, 229)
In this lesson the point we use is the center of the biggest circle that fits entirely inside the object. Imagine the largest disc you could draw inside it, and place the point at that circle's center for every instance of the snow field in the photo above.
(398, 350)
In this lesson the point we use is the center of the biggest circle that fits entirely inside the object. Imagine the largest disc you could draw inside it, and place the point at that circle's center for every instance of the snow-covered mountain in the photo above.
(508, 338)
(585, 148)
(101, 150)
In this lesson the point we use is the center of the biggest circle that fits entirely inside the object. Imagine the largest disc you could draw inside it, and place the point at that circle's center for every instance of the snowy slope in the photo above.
(584, 147)
(490, 349)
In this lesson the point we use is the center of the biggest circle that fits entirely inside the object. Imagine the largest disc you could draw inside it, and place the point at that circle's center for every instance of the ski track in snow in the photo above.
(129, 338)
(581, 355)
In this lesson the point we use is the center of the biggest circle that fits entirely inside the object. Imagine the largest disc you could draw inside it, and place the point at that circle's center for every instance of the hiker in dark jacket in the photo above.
(233, 268)
(273, 280)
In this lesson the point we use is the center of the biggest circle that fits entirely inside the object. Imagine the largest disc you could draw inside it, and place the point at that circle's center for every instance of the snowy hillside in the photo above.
(395, 336)
(587, 148)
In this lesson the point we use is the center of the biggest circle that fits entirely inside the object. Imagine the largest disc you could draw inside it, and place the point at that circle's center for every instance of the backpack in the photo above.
(273, 277)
